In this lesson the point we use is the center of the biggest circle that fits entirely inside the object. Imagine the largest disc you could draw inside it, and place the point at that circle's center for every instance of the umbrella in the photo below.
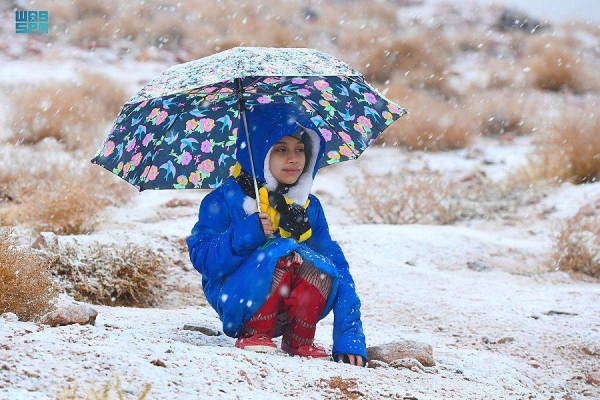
(180, 130)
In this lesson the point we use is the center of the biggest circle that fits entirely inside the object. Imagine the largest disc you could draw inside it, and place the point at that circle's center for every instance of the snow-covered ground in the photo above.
(495, 333)
(513, 330)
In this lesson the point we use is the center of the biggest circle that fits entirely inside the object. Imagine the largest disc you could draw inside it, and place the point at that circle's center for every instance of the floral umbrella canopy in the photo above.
(180, 130)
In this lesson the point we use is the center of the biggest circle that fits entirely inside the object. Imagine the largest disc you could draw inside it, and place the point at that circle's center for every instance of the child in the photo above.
(277, 272)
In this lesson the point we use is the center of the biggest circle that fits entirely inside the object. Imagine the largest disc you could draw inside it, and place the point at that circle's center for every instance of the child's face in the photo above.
(287, 160)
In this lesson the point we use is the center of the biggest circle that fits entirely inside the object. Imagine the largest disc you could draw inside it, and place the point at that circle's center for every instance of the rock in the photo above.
(45, 239)
(592, 350)
(554, 312)
(309, 13)
(202, 329)
(377, 364)
(512, 19)
(593, 378)
(534, 364)
(503, 340)
(402, 349)
(477, 266)
(507, 339)
(71, 314)
(158, 363)
(588, 210)
(408, 363)
(10, 317)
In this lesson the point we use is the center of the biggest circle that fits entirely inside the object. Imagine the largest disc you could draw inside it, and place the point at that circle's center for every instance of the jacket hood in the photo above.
(267, 124)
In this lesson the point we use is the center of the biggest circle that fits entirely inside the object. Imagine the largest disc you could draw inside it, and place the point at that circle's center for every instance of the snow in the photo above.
(492, 331)
(413, 283)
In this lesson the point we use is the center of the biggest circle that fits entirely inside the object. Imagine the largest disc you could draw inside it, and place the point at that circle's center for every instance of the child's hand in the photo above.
(297, 259)
(265, 221)
(351, 359)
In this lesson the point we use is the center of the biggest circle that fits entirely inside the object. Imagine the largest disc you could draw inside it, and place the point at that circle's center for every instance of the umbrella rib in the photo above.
(323, 118)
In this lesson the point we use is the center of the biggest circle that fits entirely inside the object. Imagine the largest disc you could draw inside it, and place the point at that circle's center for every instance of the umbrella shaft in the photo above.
(251, 161)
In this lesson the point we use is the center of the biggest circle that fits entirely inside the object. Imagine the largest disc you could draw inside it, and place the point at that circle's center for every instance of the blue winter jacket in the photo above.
(230, 250)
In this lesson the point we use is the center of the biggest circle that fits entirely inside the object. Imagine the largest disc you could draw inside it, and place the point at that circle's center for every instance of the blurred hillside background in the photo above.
(464, 70)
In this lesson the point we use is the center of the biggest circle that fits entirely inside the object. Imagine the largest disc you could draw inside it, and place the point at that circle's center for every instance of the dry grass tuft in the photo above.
(114, 276)
(448, 128)
(577, 244)
(403, 197)
(73, 114)
(27, 286)
(64, 198)
(570, 152)
(556, 66)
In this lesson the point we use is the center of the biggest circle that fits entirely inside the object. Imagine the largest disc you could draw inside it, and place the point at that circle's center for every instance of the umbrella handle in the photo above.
(243, 112)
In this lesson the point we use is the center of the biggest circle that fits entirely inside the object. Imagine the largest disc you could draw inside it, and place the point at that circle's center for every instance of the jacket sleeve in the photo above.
(216, 246)
(348, 336)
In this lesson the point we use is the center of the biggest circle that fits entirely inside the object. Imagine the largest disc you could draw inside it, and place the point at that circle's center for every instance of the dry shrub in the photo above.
(135, 21)
(402, 197)
(427, 197)
(254, 34)
(423, 58)
(556, 66)
(93, 31)
(64, 198)
(173, 203)
(192, 28)
(103, 391)
(431, 123)
(577, 245)
(198, 29)
(153, 24)
(26, 284)
(128, 275)
(503, 73)
(347, 387)
(474, 39)
(569, 152)
(501, 111)
(73, 114)
(101, 8)
(540, 166)
(61, 12)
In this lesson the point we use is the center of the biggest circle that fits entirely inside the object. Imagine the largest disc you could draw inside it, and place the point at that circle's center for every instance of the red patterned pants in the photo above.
(297, 298)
